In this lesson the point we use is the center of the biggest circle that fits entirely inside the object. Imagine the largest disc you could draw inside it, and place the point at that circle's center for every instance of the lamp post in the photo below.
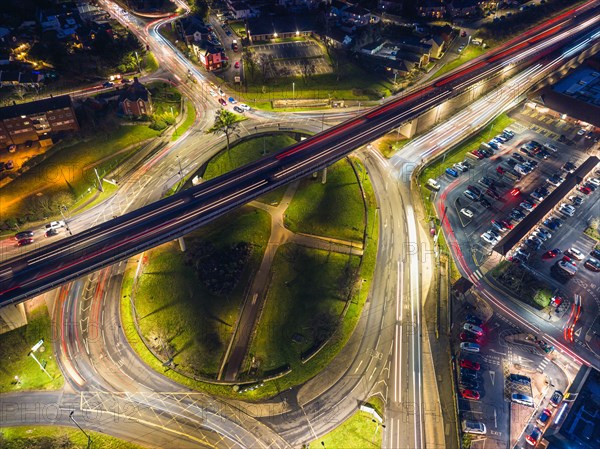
(293, 91)
(376, 428)
(137, 60)
(64, 209)
(180, 171)
(88, 437)
(32, 354)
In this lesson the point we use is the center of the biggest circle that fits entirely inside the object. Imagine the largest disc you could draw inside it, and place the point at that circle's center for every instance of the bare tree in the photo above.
(263, 62)
(307, 68)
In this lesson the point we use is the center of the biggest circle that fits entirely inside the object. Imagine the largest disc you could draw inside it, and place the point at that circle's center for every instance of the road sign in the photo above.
(578, 332)
(37, 345)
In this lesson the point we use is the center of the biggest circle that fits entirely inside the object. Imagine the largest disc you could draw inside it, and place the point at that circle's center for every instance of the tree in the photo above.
(225, 122)
(249, 63)
(307, 68)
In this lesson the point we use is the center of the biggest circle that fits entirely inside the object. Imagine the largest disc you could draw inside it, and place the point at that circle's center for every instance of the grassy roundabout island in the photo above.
(314, 281)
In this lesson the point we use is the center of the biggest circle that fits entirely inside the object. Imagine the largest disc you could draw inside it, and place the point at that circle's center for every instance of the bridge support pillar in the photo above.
(181, 244)
(409, 129)
(324, 178)
(12, 317)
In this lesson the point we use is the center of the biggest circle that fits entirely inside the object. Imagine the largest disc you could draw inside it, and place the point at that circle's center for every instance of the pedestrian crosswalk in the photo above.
(543, 364)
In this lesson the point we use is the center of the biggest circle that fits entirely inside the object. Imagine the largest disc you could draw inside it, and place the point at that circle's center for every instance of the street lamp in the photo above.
(137, 59)
(88, 437)
(293, 91)
(64, 209)
(376, 428)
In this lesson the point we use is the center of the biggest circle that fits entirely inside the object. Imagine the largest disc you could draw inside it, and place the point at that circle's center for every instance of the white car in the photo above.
(245, 107)
(467, 212)
(567, 210)
(55, 225)
(471, 347)
(576, 253)
(472, 328)
(212, 93)
(461, 48)
(594, 181)
(581, 132)
(433, 184)
(491, 239)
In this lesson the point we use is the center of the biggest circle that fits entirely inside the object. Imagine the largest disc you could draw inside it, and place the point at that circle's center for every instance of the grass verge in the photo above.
(521, 284)
(189, 120)
(49, 437)
(334, 210)
(358, 431)
(471, 52)
(176, 310)
(15, 347)
(70, 168)
(457, 154)
(593, 232)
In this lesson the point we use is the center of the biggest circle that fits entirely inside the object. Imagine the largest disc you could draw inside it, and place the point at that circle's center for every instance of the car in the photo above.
(232, 100)
(474, 189)
(493, 145)
(9, 165)
(533, 164)
(470, 337)
(567, 259)
(581, 132)
(459, 168)
(552, 223)
(23, 235)
(228, 33)
(590, 186)
(497, 225)
(107, 84)
(486, 181)
(466, 363)
(223, 102)
(568, 211)
(522, 399)
(576, 200)
(50, 232)
(547, 348)
(534, 244)
(527, 205)
(592, 264)
(452, 172)
(238, 109)
(555, 180)
(522, 253)
(515, 192)
(461, 48)
(556, 398)
(212, 93)
(462, 166)
(595, 253)
(473, 319)
(244, 106)
(432, 183)
(470, 195)
(501, 138)
(492, 193)
(518, 157)
(500, 170)
(221, 93)
(509, 132)
(575, 253)
(55, 224)
(478, 154)
(485, 203)
(476, 427)
(544, 417)
(467, 212)
(25, 241)
(569, 167)
(471, 384)
(470, 347)
(519, 379)
(470, 394)
(538, 197)
(507, 224)
(525, 151)
(544, 232)
(472, 328)
(594, 181)
(538, 235)
(468, 373)
(584, 189)
(490, 238)
(550, 147)
(534, 436)
(517, 213)
(543, 190)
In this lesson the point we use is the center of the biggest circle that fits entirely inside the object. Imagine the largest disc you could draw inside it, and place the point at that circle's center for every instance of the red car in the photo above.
(584, 189)
(500, 170)
(223, 102)
(507, 224)
(551, 254)
(470, 337)
(237, 64)
(466, 363)
(478, 154)
(470, 394)
(23, 242)
(515, 192)
(567, 259)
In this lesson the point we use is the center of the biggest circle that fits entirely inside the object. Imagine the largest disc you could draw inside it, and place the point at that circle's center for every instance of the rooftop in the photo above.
(281, 24)
(34, 107)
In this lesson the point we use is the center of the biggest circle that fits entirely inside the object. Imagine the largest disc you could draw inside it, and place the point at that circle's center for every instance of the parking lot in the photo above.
(508, 361)
(291, 58)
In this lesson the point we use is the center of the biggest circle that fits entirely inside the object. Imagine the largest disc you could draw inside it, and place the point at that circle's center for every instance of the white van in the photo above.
(433, 184)
(477, 427)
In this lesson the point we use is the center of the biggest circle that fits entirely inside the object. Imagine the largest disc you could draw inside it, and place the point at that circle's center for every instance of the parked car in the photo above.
(478, 154)
(522, 399)
(476, 427)
(544, 417)
(222, 102)
(470, 336)
(467, 212)
(470, 318)
(592, 264)
(486, 181)
(519, 379)
(474, 189)
(490, 238)
(470, 347)
(238, 109)
(237, 64)
(244, 106)
(107, 84)
(470, 394)
(470, 195)
(472, 328)
(485, 203)
(466, 363)
(232, 100)
(556, 398)
(433, 184)
(575, 253)
(534, 436)
(452, 172)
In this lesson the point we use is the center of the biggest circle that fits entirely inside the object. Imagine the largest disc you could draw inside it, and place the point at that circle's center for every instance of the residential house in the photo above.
(241, 9)
(372, 48)
(433, 9)
(192, 29)
(209, 55)
(36, 120)
(16, 77)
(280, 27)
(412, 44)
(135, 99)
(338, 38)
(90, 13)
(358, 16)
(437, 46)
(463, 8)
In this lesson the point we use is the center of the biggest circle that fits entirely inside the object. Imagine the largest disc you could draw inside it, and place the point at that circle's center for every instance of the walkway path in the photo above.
(257, 294)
